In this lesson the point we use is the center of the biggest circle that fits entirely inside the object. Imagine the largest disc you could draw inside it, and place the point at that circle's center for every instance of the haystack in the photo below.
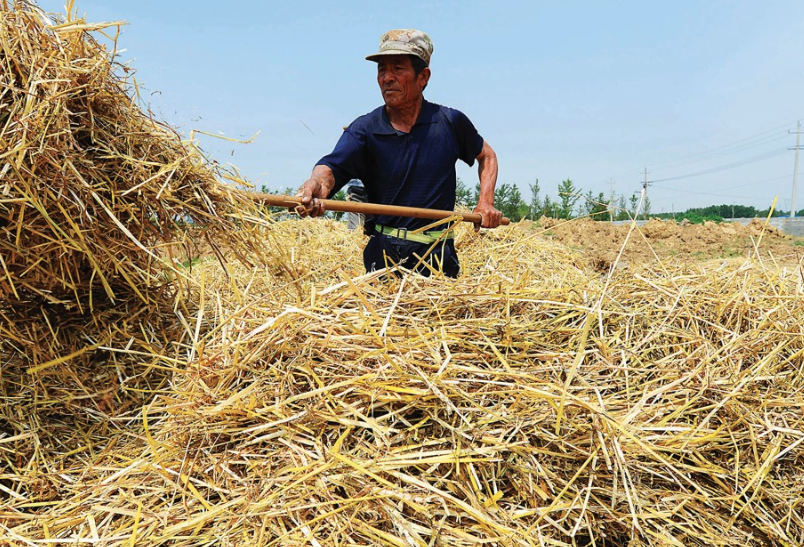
(96, 200)
(94, 192)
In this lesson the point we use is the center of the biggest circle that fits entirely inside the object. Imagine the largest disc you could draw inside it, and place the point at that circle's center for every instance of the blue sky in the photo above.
(588, 90)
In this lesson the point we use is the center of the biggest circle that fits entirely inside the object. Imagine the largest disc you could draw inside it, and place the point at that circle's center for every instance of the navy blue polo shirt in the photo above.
(415, 169)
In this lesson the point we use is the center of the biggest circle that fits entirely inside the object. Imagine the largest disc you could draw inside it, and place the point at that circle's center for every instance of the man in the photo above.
(405, 154)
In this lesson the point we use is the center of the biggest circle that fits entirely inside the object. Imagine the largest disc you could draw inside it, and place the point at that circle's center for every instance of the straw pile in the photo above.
(95, 201)
(93, 194)
(530, 402)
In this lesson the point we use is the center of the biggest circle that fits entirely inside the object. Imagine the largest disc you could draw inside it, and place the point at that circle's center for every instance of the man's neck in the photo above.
(403, 119)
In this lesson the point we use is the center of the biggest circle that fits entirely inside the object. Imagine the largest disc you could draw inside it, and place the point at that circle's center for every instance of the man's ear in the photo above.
(425, 74)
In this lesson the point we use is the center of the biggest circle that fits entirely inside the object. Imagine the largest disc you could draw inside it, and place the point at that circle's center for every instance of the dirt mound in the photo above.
(669, 241)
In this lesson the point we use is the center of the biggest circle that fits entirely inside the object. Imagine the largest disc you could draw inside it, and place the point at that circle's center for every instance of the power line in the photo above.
(757, 139)
(693, 193)
(752, 183)
(776, 131)
(733, 150)
(761, 157)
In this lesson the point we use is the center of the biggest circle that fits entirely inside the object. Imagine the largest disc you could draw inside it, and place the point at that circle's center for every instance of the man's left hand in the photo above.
(491, 216)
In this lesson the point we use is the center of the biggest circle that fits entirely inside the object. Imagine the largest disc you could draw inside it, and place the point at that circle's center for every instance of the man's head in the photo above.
(402, 66)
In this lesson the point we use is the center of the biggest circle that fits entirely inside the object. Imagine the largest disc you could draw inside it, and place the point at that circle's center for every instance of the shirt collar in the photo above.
(427, 115)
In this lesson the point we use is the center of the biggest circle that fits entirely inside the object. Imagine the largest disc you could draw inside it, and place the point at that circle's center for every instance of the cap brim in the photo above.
(376, 56)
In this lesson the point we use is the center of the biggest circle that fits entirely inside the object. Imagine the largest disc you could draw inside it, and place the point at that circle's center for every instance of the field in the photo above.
(666, 241)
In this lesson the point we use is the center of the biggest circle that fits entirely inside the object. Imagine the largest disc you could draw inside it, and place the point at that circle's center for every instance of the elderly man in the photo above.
(405, 154)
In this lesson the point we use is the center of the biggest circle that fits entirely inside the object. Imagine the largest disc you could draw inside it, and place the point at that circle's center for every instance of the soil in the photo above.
(667, 241)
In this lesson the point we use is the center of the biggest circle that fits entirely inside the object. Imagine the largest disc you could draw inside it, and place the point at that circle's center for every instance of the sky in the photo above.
(704, 95)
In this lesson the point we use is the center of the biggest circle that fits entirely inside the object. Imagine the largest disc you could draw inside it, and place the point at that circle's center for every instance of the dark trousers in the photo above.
(382, 251)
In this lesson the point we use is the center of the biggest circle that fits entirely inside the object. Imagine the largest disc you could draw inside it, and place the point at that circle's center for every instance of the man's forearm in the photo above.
(487, 172)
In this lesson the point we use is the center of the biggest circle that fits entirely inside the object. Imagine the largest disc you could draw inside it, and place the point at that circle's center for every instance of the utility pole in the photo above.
(611, 200)
(645, 184)
(795, 170)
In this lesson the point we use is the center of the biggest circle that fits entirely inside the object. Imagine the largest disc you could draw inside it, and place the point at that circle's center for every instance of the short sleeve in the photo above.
(470, 143)
(346, 159)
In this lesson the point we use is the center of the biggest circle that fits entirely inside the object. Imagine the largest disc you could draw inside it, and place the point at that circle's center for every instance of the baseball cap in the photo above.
(404, 42)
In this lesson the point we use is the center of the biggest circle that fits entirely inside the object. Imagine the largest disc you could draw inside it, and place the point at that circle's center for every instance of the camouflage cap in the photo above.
(404, 42)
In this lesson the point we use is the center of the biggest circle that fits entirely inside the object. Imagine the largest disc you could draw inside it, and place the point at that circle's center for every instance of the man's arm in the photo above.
(487, 171)
(314, 189)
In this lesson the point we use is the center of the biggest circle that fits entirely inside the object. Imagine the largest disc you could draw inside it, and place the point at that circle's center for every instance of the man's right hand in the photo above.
(314, 189)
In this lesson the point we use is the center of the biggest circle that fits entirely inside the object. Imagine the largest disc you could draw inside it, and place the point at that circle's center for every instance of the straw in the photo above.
(421, 411)
(291, 399)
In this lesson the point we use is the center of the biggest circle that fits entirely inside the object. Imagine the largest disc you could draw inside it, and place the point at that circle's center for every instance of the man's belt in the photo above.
(422, 237)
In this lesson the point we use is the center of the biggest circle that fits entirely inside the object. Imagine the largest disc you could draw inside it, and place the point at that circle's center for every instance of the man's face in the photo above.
(399, 84)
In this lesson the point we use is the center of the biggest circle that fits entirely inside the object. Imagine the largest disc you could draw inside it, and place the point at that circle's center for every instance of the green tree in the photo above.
(634, 205)
(340, 195)
(568, 197)
(586, 205)
(288, 190)
(463, 195)
(596, 207)
(535, 210)
(549, 208)
(622, 209)
(508, 200)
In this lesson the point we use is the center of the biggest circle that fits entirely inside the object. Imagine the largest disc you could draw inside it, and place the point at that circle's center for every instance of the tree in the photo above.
(568, 196)
(622, 209)
(587, 206)
(634, 204)
(535, 210)
(340, 195)
(508, 199)
(288, 191)
(549, 209)
(597, 208)
(463, 195)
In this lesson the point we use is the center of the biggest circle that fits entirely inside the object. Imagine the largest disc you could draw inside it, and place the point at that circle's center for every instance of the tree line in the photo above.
(573, 202)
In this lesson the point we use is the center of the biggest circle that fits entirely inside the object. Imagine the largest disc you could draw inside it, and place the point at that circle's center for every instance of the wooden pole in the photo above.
(280, 200)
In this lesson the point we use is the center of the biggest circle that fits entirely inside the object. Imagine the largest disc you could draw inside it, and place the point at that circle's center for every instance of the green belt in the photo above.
(423, 237)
